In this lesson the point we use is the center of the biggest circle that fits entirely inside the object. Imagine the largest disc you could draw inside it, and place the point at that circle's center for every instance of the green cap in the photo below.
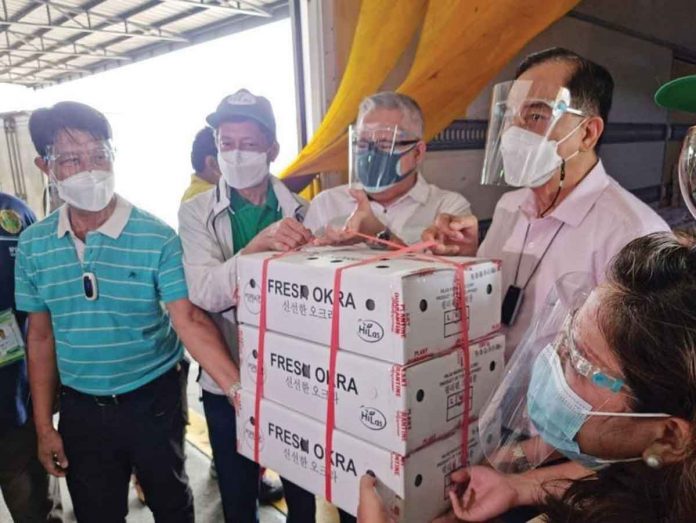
(243, 104)
(678, 95)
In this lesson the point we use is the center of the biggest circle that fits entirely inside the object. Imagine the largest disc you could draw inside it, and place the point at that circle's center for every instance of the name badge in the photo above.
(12, 346)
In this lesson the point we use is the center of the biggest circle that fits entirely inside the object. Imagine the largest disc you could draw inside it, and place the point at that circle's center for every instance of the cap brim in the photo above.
(215, 119)
(678, 95)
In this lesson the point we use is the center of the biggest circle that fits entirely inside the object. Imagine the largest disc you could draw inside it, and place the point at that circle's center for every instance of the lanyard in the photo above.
(543, 254)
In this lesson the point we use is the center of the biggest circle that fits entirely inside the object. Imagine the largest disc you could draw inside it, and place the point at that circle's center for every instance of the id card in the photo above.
(12, 346)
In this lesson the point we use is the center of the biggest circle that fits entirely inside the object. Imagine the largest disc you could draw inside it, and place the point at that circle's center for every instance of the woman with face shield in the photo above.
(605, 379)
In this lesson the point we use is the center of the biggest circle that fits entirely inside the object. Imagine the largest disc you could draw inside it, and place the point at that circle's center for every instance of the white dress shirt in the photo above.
(407, 217)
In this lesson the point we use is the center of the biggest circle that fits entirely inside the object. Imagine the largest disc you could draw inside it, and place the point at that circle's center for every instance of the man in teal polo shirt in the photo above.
(93, 277)
(249, 211)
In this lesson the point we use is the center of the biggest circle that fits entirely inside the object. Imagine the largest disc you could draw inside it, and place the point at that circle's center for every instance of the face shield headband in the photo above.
(521, 141)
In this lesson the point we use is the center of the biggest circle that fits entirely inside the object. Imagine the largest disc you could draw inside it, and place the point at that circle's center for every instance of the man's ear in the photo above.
(672, 443)
(273, 152)
(594, 127)
(420, 150)
(42, 165)
(211, 164)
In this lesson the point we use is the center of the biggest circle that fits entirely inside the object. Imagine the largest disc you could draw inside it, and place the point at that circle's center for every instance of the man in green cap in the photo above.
(249, 211)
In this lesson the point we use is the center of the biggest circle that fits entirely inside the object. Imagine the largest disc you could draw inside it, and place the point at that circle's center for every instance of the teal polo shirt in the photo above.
(123, 339)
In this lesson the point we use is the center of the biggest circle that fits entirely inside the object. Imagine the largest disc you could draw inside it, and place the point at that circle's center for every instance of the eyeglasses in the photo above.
(387, 146)
(568, 351)
(71, 161)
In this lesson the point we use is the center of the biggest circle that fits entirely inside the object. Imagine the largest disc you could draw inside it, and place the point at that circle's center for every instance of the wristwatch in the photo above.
(385, 236)
(233, 391)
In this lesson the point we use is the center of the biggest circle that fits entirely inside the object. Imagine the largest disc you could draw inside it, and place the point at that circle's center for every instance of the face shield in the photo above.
(517, 447)
(523, 135)
(377, 156)
(687, 170)
(552, 386)
(83, 174)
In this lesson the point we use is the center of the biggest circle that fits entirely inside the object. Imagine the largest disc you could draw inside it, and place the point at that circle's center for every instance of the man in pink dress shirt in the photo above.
(569, 214)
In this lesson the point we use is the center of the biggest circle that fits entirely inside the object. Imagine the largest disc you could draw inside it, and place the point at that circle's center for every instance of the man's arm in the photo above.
(204, 341)
(212, 280)
(43, 380)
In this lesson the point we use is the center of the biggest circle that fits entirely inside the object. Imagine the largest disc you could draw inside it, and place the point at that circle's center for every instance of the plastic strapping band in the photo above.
(460, 301)
(335, 330)
(260, 373)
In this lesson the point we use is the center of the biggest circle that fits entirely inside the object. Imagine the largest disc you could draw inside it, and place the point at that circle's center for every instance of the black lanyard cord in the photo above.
(543, 254)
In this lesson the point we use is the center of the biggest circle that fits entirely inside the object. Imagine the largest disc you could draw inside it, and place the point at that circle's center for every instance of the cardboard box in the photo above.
(293, 445)
(399, 408)
(397, 310)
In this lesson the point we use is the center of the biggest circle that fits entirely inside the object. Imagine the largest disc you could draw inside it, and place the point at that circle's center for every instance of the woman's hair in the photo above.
(648, 317)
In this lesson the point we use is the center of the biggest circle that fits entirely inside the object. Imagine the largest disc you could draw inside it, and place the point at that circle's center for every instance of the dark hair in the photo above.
(46, 123)
(648, 317)
(203, 146)
(591, 85)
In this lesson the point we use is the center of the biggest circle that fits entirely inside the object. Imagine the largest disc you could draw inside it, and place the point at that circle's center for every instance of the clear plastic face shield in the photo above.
(687, 170)
(552, 385)
(83, 173)
(379, 156)
(524, 132)
(65, 160)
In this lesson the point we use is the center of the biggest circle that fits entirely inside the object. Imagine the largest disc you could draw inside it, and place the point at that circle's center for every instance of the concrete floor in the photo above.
(205, 490)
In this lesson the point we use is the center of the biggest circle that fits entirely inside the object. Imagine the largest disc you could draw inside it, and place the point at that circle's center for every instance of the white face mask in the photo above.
(88, 190)
(529, 159)
(242, 169)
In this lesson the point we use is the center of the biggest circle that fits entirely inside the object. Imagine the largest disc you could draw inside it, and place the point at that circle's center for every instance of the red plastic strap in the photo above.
(333, 352)
(463, 343)
(460, 300)
(260, 374)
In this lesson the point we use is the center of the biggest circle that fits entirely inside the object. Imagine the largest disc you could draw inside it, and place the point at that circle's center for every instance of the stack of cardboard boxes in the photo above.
(398, 377)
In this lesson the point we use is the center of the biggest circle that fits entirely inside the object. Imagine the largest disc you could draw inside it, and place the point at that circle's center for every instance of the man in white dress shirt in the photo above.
(388, 195)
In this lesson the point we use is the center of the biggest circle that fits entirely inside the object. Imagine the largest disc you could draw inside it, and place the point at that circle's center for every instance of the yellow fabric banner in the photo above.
(384, 30)
(463, 45)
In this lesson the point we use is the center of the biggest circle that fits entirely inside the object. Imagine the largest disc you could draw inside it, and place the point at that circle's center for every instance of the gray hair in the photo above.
(411, 111)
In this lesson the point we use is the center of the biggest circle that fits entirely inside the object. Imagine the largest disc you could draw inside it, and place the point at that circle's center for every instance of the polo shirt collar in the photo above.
(113, 227)
(578, 203)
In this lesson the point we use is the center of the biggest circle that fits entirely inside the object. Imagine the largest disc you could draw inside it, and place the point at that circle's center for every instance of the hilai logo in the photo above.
(370, 331)
(252, 296)
(372, 418)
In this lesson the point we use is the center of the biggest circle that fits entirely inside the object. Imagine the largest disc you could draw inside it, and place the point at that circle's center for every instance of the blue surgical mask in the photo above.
(378, 170)
(558, 413)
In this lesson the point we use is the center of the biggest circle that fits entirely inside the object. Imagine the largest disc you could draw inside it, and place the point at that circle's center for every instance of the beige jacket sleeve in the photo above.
(212, 280)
